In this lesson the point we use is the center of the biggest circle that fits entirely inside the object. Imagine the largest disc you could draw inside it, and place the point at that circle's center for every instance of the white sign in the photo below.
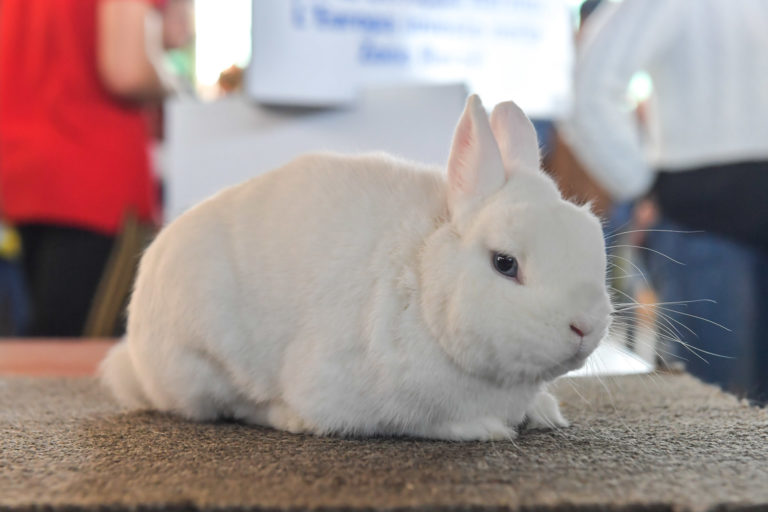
(320, 52)
(212, 145)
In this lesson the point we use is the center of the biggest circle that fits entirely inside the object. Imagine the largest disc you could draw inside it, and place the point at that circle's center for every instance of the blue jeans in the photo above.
(729, 281)
(13, 300)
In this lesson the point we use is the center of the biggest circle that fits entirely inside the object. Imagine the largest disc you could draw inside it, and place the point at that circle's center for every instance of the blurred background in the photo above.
(118, 115)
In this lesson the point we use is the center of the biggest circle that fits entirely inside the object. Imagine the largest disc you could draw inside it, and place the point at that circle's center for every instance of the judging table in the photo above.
(641, 442)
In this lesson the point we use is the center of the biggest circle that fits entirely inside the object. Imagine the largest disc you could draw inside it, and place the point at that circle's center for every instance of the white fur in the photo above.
(544, 412)
(355, 295)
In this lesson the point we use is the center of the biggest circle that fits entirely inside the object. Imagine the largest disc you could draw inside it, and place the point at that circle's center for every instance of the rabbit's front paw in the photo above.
(544, 413)
(482, 429)
(280, 416)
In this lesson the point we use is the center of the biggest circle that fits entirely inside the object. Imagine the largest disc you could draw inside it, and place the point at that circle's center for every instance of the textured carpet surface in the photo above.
(637, 443)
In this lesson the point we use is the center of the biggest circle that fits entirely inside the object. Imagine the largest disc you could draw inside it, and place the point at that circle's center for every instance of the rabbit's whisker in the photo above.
(607, 237)
(670, 258)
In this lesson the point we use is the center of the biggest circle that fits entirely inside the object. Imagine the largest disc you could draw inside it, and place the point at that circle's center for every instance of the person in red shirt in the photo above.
(74, 154)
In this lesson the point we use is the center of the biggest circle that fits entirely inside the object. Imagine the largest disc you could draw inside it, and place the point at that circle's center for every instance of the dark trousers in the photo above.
(722, 283)
(724, 271)
(62, 268)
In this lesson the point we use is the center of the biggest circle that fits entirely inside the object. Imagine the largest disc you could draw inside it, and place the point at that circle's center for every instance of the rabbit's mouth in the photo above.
(573, 362)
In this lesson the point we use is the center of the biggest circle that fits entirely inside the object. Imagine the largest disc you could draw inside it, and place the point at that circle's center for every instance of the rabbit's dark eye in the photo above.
(505, 264)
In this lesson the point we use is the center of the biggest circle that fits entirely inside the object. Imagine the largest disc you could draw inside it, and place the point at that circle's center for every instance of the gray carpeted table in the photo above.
(663, 442)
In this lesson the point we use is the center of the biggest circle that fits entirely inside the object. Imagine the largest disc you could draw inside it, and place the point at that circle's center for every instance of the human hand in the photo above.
(178, 23)
(644, 216)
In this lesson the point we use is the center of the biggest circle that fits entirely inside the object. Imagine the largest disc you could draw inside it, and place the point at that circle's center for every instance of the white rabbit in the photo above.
(362, 295)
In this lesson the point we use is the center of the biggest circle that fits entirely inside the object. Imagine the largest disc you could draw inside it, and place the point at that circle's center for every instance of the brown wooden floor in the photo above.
(52, 357)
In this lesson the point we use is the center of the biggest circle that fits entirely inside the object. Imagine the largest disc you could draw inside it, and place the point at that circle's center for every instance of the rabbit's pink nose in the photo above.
(580, 330)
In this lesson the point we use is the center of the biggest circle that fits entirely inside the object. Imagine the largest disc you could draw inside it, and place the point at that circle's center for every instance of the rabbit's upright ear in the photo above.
(475, 169)
(516, 138)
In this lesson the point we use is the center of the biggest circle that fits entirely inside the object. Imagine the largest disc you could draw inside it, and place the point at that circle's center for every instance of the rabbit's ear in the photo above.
(516, 138)
(475, 169)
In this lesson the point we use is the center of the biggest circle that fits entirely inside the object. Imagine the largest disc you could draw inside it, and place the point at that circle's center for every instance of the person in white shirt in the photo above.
(702, 156)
